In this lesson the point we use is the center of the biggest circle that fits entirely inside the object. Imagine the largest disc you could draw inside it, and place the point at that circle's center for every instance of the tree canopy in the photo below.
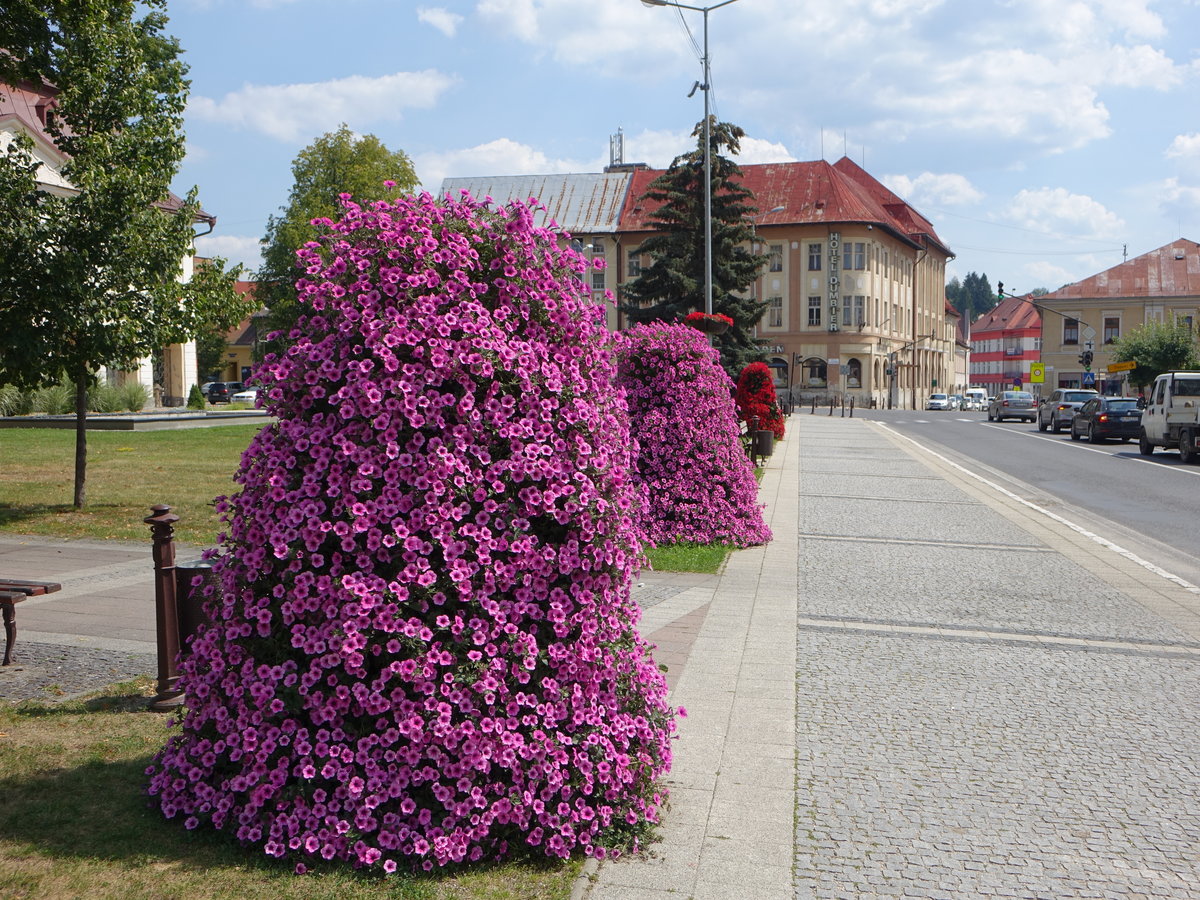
(1157, 347)
(673, 285)
(339, 162)
(972, 296)
(90, 276)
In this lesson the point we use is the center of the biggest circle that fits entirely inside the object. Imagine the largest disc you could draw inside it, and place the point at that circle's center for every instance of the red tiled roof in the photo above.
(26, 103)
(809, 193)
(1170, 271)
(1010, 314)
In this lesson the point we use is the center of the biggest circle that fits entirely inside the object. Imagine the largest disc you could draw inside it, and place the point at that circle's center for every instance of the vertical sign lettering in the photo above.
(835, 265)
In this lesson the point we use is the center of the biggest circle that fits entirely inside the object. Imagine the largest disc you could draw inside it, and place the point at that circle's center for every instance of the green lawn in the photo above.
(127, 472)
(75, 822)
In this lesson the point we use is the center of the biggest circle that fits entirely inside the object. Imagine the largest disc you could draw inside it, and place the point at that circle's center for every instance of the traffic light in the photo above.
(1085, 359)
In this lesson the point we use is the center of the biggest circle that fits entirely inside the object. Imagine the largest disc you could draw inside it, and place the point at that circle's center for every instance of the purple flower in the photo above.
(423, 648)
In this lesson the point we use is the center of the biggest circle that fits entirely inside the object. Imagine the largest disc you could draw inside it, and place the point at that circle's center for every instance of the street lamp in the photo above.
(708, 286)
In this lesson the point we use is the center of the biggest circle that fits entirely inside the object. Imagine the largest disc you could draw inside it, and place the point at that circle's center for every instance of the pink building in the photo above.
(1004, 343)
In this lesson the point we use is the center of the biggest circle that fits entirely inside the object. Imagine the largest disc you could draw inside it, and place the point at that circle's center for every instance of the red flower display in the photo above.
(756, 399)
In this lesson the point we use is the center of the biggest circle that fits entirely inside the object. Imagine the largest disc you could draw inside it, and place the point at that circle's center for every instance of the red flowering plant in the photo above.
(701, 484)
(756, 399)
(711, 323)
(424, 649)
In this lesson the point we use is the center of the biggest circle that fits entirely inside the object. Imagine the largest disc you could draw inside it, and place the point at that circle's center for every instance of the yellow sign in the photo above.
(1037, 373)
(1121, 367)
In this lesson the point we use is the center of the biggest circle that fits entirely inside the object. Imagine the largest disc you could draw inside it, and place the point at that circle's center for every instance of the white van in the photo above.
(975, 398)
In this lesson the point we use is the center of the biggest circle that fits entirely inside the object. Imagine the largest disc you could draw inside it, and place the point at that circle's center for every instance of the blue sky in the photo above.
(1043, 138)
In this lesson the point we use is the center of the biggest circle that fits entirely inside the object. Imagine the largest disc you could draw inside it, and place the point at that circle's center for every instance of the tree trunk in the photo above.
(81, 386)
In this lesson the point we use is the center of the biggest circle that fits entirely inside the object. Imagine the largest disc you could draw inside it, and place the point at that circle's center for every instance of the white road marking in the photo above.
(1078, 529)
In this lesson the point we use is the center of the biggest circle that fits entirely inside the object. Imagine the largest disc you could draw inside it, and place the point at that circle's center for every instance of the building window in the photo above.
(854, 255)
(814, 372)
(814, 257)
(1112, 328)
(597, 247)
(774, 312)
(775, 258)
(854, 375)
(597, 279)
(633, 263)
(1071, 331)
(1185, 320)
(853, 310)
(814, 311)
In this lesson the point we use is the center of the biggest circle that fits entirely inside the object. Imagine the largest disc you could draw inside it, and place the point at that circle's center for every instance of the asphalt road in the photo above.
(1147, 505)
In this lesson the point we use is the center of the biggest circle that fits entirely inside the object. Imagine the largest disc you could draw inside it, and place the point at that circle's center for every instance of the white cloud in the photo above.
(1048, 275)
(1179, 202)
(232, 248)
(1185, 146)
(929, 189)
(756, 150)
(502, 156)
(298, 112)
(442, 19)
(1057, 211)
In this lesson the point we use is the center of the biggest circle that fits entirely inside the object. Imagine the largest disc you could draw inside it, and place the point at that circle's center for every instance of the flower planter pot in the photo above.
(708, 324)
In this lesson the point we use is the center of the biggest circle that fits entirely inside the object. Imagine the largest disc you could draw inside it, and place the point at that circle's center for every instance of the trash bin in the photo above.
(764, 442)
(189, 599)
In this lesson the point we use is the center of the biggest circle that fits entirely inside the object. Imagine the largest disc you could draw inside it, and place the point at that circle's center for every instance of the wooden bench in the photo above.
(12, 592)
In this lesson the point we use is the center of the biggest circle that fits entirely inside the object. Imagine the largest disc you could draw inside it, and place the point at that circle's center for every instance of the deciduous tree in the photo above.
(339, 162)
(90, 277)
(1157, 347)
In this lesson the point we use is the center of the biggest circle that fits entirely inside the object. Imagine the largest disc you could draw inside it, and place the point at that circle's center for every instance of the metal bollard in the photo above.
(166, 612)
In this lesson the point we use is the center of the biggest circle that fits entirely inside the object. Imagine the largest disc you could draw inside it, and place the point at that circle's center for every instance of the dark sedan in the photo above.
(1102, 418)
(223, 391)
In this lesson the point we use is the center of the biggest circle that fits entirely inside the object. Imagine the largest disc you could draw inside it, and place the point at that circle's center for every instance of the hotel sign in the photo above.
(835, 265)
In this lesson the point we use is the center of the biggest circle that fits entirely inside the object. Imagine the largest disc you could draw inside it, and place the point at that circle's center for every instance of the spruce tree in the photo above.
(674, 285)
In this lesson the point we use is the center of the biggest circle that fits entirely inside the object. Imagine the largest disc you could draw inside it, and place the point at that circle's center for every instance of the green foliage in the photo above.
(104, 398)
(195, 398)
(338, 162)
(674, 285)
(90, 278)
(13, 401)
(55, 399)
(1157, 347)
(972, 296)
(210, 350)
(135, 396)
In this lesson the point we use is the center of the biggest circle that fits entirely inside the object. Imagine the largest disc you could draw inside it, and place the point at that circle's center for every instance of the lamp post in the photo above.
(708, 285)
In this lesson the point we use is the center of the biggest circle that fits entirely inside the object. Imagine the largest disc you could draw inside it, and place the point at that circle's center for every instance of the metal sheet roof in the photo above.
(585, 203)
(1170, 271)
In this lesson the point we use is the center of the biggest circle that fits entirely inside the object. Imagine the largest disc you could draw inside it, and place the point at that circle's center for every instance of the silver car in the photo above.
(1012, 405)
(1060, 408)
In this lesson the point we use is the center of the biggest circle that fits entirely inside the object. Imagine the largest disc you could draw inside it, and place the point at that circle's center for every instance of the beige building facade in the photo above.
(853, 278)
(1158, 286)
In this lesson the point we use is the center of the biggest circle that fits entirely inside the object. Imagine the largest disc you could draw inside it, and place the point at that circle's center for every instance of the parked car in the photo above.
(956, 402)
(1057, 411)
(937, 401)
(223, 391)
(975, 398)
(1012, 405)
(1102, 418)
(249, 395)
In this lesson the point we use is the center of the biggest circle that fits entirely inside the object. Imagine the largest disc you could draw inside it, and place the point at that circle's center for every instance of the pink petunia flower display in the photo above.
(699, 481)
(423, 649)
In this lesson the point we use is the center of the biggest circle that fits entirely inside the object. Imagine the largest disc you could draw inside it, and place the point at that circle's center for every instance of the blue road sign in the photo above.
(1089, 377)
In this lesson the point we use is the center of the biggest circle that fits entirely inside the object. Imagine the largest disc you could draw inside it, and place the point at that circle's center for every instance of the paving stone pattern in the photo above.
(953, 749)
